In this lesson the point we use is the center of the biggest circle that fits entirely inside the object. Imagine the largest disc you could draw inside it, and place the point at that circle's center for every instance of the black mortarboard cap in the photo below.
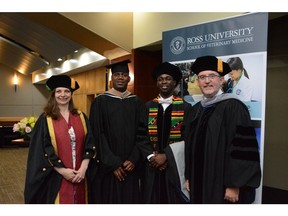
(167, 68)
(65, 81)
(119, 66)
(210, 63)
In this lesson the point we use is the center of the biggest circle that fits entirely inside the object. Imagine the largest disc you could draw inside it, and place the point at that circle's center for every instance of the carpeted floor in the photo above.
(13, 170)
(12, 174)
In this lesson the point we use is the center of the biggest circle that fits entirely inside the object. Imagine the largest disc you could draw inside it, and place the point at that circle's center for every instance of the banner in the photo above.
(236, 40)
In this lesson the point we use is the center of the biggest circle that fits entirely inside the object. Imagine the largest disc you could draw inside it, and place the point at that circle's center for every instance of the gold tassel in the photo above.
(72, 83)
(220, 66)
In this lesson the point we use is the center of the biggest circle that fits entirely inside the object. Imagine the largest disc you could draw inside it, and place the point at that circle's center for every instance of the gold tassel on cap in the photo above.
(72, 83)
(220, 66)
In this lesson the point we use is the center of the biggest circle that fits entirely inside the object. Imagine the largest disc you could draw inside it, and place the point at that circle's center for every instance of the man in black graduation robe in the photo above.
(165, 186)
(164, 168)
(221, 151)
(117, 119)
(222, 162)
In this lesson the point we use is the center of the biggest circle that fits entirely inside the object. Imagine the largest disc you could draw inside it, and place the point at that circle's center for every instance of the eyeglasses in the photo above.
(210, 77)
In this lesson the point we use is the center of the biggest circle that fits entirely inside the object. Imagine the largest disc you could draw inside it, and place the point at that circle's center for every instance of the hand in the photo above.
(67, 173)
(158, 160)
(79, 176)
(187, 185)
(120, 174)
(80, 173)
(163, 166)
(232, 194)
(128, 166)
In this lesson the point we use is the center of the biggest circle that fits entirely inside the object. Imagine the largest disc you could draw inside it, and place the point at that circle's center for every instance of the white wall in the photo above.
(276, 135)
(148, 26)
(28, 100)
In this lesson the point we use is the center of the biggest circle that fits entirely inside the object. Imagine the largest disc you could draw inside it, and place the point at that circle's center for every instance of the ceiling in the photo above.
(26, 46)
(32, 42)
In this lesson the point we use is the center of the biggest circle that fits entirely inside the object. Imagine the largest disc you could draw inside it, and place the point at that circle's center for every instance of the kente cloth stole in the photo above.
(176, 122)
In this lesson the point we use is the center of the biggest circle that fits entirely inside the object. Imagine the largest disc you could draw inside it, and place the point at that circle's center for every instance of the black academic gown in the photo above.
(118, 127)
(42, 181)
(163, 187)
(221, 151)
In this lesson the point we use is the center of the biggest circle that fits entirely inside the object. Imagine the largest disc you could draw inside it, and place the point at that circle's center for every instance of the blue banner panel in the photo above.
(236, 35)
(241, 37)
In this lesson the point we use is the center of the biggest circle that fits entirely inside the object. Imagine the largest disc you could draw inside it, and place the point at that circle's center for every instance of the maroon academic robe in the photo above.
(64, 149)
(50, 147)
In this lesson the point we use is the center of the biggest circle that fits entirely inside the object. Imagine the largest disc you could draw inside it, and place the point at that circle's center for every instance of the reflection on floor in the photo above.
(12, 174)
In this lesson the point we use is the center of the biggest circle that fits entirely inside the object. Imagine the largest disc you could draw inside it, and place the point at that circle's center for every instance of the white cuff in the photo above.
(149, 156)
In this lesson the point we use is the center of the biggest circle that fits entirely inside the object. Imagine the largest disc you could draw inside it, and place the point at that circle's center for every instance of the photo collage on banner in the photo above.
(236, 40)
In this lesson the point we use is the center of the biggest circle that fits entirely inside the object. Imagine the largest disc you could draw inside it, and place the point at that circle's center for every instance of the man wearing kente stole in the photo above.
(162, 179)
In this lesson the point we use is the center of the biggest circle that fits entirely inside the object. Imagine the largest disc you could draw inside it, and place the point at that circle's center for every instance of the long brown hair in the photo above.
(51, 109)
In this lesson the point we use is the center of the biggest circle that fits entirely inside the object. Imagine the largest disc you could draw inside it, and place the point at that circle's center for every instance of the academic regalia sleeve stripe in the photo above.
(83, 122)
(245, 137)
(52, 134)
(245, 155)
(57, 200)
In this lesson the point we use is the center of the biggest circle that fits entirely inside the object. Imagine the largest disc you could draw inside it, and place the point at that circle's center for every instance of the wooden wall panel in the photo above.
(81, 79)
(91, 83)
(80, 102)
(144, 64)
(100, 80)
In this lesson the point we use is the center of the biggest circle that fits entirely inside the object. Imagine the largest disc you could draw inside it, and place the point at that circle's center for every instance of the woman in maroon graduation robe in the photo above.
(60, 149)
